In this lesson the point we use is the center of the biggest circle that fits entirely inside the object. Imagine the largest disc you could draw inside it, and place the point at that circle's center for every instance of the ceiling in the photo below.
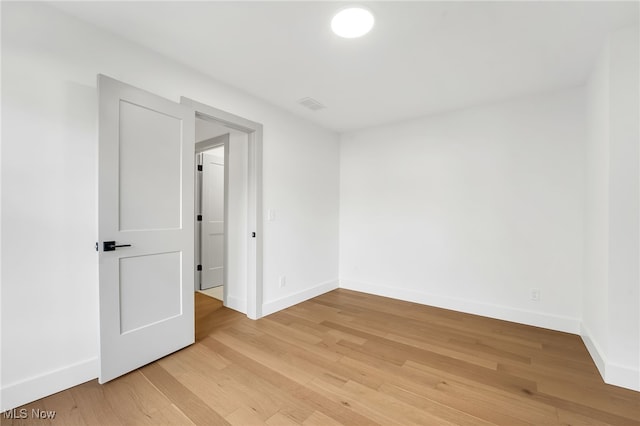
(420, 58)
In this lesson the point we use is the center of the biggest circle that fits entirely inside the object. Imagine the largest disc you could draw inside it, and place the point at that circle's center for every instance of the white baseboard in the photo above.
(594, 350)
(623, 376)
(294, 299)
(237, 304)
(537, 319)
(32, 389)
(612, 374)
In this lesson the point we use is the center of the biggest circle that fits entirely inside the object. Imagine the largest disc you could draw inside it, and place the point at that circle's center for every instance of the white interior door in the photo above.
(146, 163)
(212, 239)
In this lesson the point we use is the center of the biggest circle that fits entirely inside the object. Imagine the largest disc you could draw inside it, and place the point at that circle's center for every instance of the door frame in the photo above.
(254, 195)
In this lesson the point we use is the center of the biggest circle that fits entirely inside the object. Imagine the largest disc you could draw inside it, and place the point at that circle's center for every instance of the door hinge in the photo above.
(199, 167)
(199, 218)
(199, 268)
(253, 235)
(97, 247)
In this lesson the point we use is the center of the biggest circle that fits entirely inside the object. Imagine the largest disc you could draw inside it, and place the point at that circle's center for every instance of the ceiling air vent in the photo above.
(311, 103)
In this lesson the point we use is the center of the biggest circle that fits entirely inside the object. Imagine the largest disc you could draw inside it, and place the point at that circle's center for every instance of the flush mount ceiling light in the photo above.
(352, 22)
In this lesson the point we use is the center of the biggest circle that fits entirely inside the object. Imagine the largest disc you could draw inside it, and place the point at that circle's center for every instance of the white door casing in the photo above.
(213, 215)
(254, 223)
(145, 199)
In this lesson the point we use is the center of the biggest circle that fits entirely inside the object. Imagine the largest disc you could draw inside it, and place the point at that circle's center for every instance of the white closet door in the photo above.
(212, 221)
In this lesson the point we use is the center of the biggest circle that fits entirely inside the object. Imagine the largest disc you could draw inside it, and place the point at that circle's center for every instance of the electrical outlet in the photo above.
(282, 281)
(535, 294)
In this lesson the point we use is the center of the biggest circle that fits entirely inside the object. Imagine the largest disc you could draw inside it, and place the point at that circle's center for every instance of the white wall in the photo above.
(49, 191)
(470, 210)
(624, 210)
(611, 327)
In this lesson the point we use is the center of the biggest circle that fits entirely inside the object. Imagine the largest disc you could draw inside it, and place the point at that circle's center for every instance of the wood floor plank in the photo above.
(209, 384)
(460, 394)
(267, 356)
(319, 419)
(597, 401)
(494, 404)
(263, 392)
(349, 358)
(94, 407)
(245, 416)
(188, 402)
(439, 349)
(565, 402)
(363, 408)
(398, 408)
(398, 354)
(297, 392)
(138, 402)
(281, 419)
(65, 407)
(205, 314)
(233, 390)
(571, 418)
(445, 411)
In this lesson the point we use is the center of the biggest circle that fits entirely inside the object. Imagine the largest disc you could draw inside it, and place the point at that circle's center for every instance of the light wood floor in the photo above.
(352, 359)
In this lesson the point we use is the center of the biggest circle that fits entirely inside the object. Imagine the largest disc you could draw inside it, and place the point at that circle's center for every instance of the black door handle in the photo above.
(111, 245)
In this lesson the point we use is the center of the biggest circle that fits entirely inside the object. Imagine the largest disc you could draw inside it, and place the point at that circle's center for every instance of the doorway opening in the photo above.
(228, 238)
